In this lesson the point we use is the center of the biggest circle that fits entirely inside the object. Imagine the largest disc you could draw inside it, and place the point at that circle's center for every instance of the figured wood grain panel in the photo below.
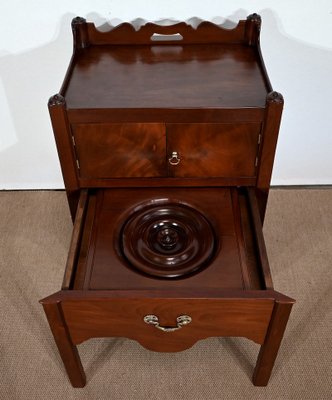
(213, 150)
(120, 150)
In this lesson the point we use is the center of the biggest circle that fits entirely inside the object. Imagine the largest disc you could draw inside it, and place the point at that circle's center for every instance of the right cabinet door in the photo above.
(212, 149)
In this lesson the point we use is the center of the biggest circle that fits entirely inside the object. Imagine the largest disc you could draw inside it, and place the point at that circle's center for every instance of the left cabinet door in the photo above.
(120, 150)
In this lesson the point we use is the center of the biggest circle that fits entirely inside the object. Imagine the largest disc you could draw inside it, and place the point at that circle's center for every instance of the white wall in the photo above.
(36, 44)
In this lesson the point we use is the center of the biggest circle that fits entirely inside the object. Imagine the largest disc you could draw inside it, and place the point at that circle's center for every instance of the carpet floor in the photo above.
(34, 238)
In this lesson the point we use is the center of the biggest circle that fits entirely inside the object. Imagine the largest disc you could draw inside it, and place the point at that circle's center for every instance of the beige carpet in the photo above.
(35, 233)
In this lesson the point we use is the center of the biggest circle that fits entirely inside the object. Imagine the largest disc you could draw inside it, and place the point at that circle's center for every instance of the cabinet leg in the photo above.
(68, 351)
(270, 347)
(73, 198)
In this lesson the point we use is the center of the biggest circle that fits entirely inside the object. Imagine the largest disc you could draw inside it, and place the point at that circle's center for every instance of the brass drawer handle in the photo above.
(181, 321)
(175, 159)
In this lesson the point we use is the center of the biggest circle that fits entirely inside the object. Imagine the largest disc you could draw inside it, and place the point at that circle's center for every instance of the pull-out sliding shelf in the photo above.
(104, 295)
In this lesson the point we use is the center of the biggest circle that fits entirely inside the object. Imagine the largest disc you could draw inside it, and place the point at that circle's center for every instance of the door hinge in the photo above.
(256, 162)
(73, 140)
(78, 164)
(259, 138)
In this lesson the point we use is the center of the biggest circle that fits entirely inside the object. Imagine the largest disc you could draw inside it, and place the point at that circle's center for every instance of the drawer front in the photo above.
(212, 150)
(209, 317)
(127, 150)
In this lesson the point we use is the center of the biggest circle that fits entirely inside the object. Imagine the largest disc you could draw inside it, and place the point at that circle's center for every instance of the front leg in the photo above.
(68, 351)
(270, 347)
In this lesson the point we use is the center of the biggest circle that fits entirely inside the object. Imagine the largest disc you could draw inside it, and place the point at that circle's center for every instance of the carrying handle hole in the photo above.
(158, 37)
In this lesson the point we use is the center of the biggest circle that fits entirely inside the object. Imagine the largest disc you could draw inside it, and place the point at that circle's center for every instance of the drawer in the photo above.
(120, 150)
(213, 150)
(125, 317)
(234, 257)
(230, 296)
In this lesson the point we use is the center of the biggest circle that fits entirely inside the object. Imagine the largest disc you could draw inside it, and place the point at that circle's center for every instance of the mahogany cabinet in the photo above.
(166, 137)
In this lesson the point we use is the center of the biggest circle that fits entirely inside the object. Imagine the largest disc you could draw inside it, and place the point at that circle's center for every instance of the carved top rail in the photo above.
(246, 32)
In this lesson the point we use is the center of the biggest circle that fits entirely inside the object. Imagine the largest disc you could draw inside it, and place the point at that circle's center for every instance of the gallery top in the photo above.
(173, 67)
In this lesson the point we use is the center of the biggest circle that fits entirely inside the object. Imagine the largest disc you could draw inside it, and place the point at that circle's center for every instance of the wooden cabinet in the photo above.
(166, 150)
(136, 150)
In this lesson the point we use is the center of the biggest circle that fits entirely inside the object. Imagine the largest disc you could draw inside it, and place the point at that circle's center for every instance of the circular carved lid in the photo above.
(168, 241)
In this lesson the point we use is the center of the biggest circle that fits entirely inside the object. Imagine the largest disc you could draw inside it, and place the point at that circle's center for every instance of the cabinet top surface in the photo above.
(166, 76)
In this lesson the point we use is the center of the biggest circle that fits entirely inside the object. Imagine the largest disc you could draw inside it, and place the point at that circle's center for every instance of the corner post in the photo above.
(269, 350)
(80, 33)
(68, 351)
(253, 29)
(62, 134)
(274, 106)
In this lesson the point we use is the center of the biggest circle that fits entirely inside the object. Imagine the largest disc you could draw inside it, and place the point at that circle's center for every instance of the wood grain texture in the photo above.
(254, 271)
(75, 244)
(222, 317)
(213, 150)
(187, 293)
(166, 114)
(107, 267)
(63, 340)
(274, 106)
(168, 240)
(269, 349)
(128, 105)
(120, 150)
(240, 239)
(190, 76)
(257, 231)
(81, 262)
(205, 32)
(61, 129)
(167, 182)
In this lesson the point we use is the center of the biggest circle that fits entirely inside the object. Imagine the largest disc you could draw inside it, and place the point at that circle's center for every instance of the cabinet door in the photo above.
(120, 150)
(212, 150)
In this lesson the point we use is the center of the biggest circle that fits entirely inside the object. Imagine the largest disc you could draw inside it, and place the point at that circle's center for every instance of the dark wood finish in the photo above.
(171, 115)
(75, 240)
(217, 317)
(80, 33)
(86, 34)
(113, 210)
(120, 150)
(84, 243)
(213, 150)
(254, 272)
(168, 240)
(253, 27)
(56, 106)
(205, 32)
(261, 249)
(167, 148)
(167, 182)
(274, 106)
(63, 340)
(239, 228)
(269, 349)
(191, 79)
